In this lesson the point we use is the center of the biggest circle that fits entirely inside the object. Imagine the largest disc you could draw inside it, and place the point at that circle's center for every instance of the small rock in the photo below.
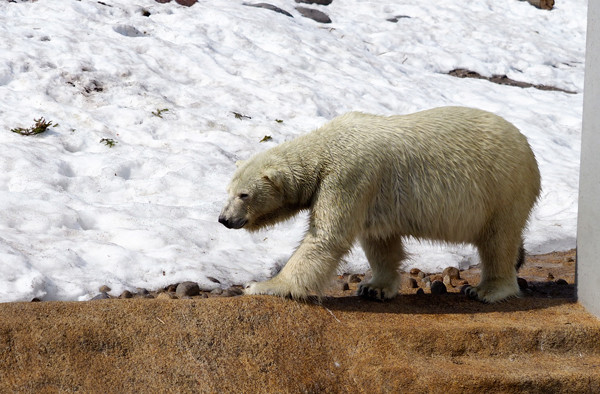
(217, 291)
(315, 15)
(342, 285)
(561, 282)
(35, 299)
(142, 291)
(415, 271)
(436, 277)
(165, 296)
(522, 283)
(426, 282)
(101, 296)
(171, 288)
(104, 289)
(412, 283)
(397, 18)
(452, 272)
(447, 281)
(235, 290)
(189, 289)
(550, 276)
(421, 274)
(354, 278)
(126, 294)
(420, 291)
(319, 2)
(214, 280)
(464, 288)
(269, 7)
(187, 3)
(438, 288)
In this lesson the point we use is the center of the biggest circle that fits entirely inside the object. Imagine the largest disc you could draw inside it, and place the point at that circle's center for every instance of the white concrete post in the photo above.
(588, 224)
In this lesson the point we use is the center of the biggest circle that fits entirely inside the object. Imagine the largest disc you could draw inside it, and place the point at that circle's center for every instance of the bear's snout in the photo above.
(235, 224)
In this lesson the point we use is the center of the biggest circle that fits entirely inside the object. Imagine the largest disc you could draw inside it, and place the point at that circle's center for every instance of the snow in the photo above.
(77, 214)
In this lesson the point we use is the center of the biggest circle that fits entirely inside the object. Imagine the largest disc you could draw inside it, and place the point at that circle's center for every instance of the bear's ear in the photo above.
(275, 178)
(239, 163)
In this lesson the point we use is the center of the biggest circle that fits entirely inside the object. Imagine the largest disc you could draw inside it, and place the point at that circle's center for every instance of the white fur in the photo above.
(449, 174)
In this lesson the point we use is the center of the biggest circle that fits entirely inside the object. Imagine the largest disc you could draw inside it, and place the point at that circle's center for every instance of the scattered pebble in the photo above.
(101, 296)
(36, 300)
(235, 290)
(522, 283)
(354, 278)
(171, 288)
(420, 291)
(415, 271)
(165, 296)
(104, 289)
(126, 294)
(319, 2)
(269, 7)
(189, 289)
(561, 282)
(438, 287)
(397, 18)
(342, 285)
(436, 277)
(142, 291)
(550, 276)
(217, 291)
(452, 272)
(315, 15)
(412, 283)
(447, 281)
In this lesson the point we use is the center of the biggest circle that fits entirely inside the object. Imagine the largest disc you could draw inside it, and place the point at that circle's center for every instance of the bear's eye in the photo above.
(243, 196)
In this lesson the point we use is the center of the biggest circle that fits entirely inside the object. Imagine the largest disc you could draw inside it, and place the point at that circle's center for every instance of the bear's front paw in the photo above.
(379, 293)
(492, 291)
(276, 288)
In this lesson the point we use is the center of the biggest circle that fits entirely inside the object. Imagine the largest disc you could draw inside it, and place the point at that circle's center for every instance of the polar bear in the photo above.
(450, 174)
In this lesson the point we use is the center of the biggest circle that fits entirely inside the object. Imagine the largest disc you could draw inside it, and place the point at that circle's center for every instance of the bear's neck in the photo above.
(303, 171)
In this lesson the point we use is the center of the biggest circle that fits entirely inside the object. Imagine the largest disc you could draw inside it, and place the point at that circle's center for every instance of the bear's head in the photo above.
(256, 197)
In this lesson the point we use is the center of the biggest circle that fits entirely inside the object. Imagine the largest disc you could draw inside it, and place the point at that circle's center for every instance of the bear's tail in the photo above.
(520, 257)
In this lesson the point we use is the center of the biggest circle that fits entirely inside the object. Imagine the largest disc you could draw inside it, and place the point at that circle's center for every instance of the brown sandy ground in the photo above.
(543, 342)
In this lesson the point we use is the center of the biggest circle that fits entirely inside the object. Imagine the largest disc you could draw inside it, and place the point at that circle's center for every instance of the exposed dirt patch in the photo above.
(504, 80)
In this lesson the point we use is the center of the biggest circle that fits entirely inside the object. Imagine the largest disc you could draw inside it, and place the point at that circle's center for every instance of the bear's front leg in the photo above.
(309, 270)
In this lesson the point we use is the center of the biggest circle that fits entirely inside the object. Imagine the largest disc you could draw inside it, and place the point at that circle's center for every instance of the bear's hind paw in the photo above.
(376, 293)
(490, 293)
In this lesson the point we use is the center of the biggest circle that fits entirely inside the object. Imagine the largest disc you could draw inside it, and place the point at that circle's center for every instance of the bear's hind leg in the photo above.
(499, 259)
(385, 256)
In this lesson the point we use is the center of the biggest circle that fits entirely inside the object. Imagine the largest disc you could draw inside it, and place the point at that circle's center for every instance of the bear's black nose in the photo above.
(223, 220)
(229, 223)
